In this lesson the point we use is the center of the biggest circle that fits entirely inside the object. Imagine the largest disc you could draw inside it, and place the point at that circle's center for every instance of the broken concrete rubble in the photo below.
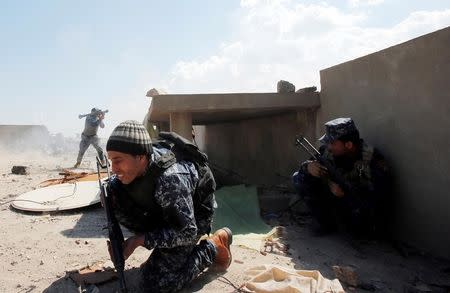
(19, 170)
(284, 86)
(155, 92)
(310, 89)
(92, 274)
(346, 274)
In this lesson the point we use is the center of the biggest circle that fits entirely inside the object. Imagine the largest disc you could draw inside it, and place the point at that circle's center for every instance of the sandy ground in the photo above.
(37, 250)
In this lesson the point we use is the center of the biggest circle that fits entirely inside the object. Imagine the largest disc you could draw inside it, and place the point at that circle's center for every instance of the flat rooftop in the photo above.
(217, 108)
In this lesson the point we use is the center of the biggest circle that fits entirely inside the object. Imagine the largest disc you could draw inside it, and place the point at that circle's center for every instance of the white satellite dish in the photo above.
(59, 197)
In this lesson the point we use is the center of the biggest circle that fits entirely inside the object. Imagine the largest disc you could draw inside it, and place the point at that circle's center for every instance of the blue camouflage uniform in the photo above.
(363, 211)
(164, 213)
(89, 136)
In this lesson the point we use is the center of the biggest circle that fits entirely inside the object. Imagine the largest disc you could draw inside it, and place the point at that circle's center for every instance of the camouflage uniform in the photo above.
(164, 213)
(368, 175)
(89, 136)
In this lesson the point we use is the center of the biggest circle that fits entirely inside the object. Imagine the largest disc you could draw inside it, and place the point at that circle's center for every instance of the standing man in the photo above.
(89, 135)
(362, 208)
(160, 206)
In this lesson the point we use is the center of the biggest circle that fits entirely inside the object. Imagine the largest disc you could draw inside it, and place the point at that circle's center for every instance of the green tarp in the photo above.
(238, 209)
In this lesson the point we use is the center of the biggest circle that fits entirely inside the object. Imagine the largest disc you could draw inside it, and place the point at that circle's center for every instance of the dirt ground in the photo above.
(37, 250)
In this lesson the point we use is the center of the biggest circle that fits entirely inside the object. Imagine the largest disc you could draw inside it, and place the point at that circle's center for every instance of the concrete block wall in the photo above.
(261, 150)
(400, 100)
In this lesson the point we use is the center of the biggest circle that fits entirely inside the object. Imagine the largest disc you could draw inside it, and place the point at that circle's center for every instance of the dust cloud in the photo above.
(35, 139)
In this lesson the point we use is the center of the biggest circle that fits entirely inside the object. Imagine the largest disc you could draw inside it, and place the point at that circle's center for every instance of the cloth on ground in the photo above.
(238, 209)
(270, 278)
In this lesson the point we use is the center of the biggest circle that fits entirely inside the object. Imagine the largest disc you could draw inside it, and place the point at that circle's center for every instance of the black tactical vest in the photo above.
(134, 203)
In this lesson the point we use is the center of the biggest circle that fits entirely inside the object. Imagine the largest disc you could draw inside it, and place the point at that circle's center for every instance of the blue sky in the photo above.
(61, 58)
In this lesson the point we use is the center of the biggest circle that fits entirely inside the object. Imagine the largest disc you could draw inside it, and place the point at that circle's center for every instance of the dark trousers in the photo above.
(356, 211)
(85, 142)
(170, 269)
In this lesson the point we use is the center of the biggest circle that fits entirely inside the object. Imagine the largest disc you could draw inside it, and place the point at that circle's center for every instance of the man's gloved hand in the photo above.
(317, 170)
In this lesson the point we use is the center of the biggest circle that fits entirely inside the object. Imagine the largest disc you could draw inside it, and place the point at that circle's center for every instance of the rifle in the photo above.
(333, 174)
(114, 232)
(95, 113)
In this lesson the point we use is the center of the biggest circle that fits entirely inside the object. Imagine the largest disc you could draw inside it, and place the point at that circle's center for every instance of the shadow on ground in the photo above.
(380, 266)
(132, 276)
(90, 225)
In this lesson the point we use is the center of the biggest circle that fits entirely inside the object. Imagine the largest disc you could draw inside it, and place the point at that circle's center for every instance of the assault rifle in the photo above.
(114, 232)
(95, 113)
(333, 174)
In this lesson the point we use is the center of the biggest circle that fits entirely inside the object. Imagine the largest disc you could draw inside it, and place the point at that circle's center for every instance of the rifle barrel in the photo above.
(114, 232)
(307, 141)
(311, 150)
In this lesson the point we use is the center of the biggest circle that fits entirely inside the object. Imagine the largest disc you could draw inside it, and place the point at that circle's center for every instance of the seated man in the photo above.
(364, 170)
(160, 210)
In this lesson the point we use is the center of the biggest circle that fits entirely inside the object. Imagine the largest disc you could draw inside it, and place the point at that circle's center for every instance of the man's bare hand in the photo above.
(317, 170)
(336, 189)
(128, 246)
(131, 244)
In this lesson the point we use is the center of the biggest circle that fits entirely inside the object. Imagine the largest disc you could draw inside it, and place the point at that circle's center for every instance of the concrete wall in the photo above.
(400, 100)
(261, 150)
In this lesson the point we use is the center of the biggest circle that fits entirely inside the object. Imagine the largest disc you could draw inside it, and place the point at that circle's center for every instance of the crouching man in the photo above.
(363, 211)
(157, 203)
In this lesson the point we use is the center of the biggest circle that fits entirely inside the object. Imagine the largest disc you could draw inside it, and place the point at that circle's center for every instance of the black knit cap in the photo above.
(130, 137)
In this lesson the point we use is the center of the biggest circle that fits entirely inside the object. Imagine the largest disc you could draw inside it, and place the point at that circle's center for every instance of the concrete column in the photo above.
(306, 124)
(181, 123)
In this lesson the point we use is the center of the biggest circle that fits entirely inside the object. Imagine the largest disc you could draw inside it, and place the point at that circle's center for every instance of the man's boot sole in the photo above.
(230, 238)
(230, 235)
